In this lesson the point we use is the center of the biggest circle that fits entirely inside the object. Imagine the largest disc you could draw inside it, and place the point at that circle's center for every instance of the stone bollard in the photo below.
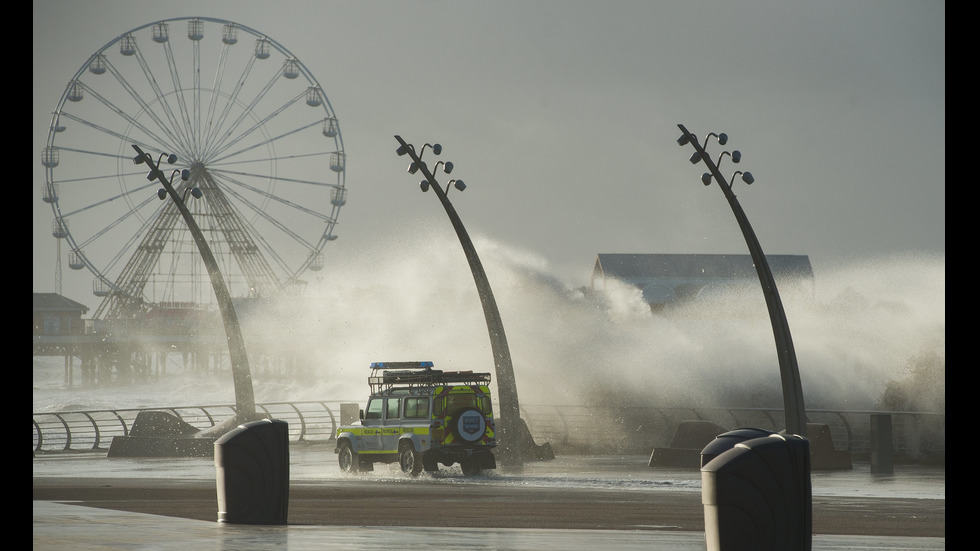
(882, 456)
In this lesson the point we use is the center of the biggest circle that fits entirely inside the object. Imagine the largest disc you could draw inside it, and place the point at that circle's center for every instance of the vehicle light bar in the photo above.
(401, 365)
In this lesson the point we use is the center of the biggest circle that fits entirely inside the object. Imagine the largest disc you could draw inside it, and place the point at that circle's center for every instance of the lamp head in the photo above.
(402, 150)
(695, 158)
(748, 178)
(424, 184)
(458, 184)
(683, 140)
(139, 159)
(447, 167)
(706, 179)
(196, 192)
(171, 159)
(185, 175)
(413, 168)
(437, 149)
(736, 156)
(722, 138)
(162, 194)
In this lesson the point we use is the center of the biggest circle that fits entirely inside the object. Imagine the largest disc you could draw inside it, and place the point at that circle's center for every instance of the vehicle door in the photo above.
(372, 424)
(392, 425)
(416, 417)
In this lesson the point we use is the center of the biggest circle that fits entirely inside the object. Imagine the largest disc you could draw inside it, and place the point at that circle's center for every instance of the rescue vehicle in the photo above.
(421, 417)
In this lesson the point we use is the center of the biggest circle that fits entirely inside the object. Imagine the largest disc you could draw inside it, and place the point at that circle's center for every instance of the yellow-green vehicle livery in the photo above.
(421, 417)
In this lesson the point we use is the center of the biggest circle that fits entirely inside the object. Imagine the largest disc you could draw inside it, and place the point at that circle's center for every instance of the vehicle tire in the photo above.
(469, 425)
(470, 467)
(410, 460)
(347, 458)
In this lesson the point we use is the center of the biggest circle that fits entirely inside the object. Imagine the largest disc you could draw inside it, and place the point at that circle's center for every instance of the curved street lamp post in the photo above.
(794, 409)
(244, 397)
(780, 468)
(510, 426)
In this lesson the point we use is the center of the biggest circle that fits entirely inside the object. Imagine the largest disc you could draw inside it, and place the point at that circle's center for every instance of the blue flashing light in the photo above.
(402, 365)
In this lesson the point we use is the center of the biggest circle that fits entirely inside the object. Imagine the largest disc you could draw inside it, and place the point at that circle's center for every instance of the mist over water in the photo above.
(856, 328)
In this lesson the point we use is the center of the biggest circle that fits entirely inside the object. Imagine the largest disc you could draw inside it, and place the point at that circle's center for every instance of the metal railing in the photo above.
(81, 431)
(568, 429)
(602, 430)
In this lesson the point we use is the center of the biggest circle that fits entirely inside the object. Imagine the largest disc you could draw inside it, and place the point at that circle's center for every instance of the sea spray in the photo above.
(855, 328)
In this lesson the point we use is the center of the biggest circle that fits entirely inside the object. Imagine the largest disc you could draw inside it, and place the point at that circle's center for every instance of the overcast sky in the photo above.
(562, 118)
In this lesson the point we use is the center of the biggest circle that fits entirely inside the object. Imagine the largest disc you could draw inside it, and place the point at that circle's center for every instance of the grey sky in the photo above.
(561, 116)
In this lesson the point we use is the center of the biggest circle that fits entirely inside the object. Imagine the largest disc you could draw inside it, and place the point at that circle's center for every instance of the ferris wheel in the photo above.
(254, 128)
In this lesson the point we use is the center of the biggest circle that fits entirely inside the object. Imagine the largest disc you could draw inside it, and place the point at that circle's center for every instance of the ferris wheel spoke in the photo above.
(105, 230)
(236, 216)
(195, 127)
(173, 124)
(145, 107)
(88, 152)
(277, 198)
(278, 178)
(114, 134)
(209, 126)
(268, 218)
(184, 129)
(270, 251)
(124, 252)
(246, 111)
(91, 179)
(204, 128)
(108, 200)
(230, 101)
(260, 124)
(266, 142)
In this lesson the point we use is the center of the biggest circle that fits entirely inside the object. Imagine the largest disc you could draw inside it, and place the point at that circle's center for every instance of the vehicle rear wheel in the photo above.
(347, 458)
(471, 467)
(410, 460)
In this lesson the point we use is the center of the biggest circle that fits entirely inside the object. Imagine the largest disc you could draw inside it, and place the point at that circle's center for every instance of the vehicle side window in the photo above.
(392, 409)
(374, 409)
(416, 408)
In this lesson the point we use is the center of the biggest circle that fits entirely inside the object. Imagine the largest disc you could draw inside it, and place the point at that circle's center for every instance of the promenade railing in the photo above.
(569, 429)
(93, 430)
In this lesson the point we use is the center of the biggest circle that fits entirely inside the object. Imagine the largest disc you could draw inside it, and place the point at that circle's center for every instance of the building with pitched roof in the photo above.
(57, 315)
(670, 278)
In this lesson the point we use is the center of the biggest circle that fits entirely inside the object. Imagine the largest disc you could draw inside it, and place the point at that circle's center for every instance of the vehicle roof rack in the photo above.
(418, 374)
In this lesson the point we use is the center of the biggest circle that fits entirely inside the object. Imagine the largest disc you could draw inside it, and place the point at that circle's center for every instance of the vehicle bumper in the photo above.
(449, 455)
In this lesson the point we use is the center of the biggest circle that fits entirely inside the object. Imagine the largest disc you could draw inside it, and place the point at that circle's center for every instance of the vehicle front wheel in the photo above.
(410, 460)
(346, 458)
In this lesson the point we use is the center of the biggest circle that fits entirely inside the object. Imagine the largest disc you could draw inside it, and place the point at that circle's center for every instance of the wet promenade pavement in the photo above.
(576, 503)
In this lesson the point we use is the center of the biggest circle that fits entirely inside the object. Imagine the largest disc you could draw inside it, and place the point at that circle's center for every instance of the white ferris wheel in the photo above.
(248, 120)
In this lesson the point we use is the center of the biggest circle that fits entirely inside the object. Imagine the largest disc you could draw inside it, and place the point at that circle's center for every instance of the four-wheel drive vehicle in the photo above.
(421, 417)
